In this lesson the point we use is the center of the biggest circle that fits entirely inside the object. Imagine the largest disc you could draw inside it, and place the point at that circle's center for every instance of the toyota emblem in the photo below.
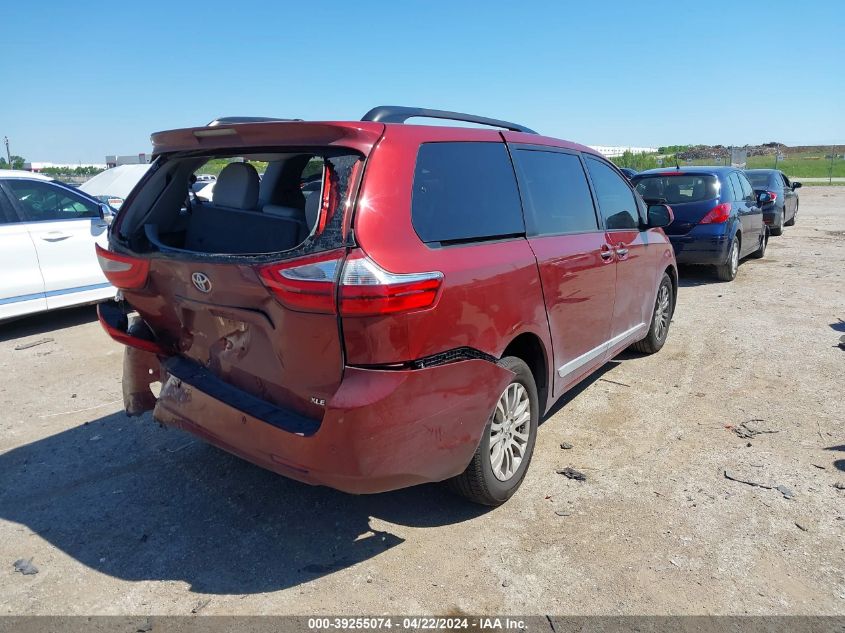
(201, 282)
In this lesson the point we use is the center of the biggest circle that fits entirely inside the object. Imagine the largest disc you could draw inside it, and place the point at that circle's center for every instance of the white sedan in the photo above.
(47, 237)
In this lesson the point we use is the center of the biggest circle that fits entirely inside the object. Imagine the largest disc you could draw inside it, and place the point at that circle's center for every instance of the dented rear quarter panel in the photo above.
(382, 430)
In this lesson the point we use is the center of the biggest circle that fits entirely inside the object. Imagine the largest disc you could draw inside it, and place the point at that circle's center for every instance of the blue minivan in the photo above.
(718, 216)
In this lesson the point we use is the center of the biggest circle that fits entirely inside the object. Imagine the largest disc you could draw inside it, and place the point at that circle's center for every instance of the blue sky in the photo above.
(81, 79)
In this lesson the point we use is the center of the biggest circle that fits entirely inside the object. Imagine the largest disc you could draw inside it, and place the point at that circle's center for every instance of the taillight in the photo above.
(123, 271)
(366, 289)
(718, 214)
(124, 337)
(306, 284)
(773, 195)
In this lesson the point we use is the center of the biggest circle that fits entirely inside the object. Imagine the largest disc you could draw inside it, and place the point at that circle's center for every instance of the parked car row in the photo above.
(721, 214)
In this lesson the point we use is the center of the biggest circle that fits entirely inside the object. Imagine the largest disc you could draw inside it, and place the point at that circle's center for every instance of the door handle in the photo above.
(605, 252)
(55, 236)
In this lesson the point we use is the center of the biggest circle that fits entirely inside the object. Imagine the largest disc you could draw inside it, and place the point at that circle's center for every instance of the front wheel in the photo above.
(664, 306)
(727, 271)
(502, 457)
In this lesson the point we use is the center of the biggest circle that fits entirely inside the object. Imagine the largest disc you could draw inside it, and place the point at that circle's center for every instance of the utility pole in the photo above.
(830, 169)
(8, 154)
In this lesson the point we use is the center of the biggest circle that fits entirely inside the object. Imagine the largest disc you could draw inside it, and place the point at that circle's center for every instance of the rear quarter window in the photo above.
(464, 192)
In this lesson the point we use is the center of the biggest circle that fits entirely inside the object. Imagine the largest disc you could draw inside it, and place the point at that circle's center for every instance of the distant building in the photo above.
(612, 151)
(38, 167)
(131, 159)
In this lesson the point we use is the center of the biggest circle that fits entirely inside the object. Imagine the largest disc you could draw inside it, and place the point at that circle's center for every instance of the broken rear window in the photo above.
(253, 204)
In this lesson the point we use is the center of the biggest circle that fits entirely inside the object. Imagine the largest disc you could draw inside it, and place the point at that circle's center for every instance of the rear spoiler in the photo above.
(222, 134)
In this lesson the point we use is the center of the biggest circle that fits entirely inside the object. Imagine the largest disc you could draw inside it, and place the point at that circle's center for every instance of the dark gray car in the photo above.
(783, 208)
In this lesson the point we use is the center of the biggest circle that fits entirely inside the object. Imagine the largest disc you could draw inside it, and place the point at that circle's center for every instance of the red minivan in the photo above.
(369, 304)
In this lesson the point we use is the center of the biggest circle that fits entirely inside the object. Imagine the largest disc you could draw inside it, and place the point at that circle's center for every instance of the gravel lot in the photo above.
(123, 517)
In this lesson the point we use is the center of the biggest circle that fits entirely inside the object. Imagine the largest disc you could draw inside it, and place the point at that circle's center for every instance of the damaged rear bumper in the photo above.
(383, 429)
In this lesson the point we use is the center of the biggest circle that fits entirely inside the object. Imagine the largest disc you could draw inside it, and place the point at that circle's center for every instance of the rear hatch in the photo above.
(243, 286)
(691, 196)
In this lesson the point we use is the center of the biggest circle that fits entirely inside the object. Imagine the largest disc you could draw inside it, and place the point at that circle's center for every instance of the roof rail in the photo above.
(400, 114)
(229, 120)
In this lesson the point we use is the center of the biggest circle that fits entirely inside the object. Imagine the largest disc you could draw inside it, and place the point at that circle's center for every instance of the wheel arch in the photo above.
(672, 271)
(529, 348)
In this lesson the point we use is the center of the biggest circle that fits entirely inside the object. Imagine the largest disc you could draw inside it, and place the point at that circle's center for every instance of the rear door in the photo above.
(634, 284)
(577, 265)
(64, 227)
(752, 220)
(21, 285)
(743, 212)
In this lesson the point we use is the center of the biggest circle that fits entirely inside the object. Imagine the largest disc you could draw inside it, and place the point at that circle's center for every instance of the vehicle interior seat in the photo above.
(237, 187)
(213, 229)
(312, 210)
(281, 190)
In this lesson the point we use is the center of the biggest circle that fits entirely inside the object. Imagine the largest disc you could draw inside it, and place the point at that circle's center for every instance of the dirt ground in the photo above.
(123, 517)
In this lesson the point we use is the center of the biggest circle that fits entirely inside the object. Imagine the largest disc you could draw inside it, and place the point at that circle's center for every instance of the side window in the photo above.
(465, 192)
(41, 201)
(736, 187)
(747, 190)
(557, 196)
(616, 200)
(785, 180)
(7, 214)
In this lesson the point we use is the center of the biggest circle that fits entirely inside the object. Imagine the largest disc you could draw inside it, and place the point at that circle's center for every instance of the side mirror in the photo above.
(796, 185)
(764, 197)
(660, 215)
(106, 213)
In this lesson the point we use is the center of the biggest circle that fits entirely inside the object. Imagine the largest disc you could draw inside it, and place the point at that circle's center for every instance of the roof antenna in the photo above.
(677, 165)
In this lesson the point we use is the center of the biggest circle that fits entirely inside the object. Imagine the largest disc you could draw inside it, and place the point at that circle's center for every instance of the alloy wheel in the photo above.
(662, 312)
(734, 258)
(509, 431)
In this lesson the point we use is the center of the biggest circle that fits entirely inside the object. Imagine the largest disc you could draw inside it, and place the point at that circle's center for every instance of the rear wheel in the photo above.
(661, 317)
(727, 271)
(501, 459)
(777, 229)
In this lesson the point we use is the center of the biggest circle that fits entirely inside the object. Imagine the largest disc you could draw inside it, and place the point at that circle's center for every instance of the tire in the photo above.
(760, 253)
(778, 229)
(728, 270)
(661, 318)
(479, 483)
